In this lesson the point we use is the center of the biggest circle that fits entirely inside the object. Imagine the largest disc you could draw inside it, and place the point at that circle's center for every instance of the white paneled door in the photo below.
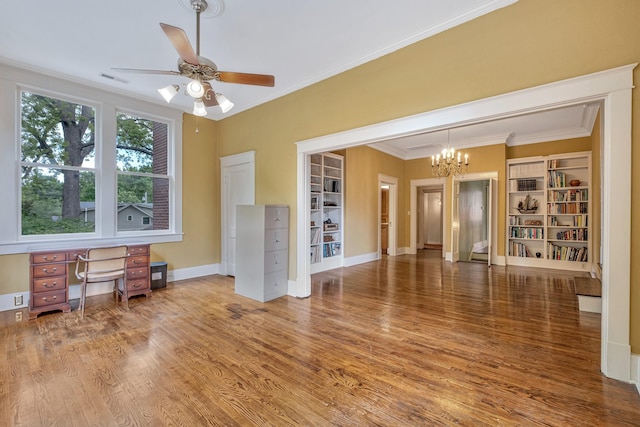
(238, 188)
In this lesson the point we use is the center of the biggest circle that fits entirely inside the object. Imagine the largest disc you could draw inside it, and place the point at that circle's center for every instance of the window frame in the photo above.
(107, 104)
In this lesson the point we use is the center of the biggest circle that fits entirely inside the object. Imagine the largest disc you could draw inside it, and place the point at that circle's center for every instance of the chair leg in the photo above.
(83, 295)
(125, 293)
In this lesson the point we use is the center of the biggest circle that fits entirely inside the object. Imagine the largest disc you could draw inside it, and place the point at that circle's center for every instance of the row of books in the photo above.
(331, 249)
(566, 253)
(526, 170)
(575, 234)
(315, 254)
(315, 236)
(568, 208)
(526, 233)
(569, 195)
(575, 221)
(557, 179)
(519, 250)
(524, 184)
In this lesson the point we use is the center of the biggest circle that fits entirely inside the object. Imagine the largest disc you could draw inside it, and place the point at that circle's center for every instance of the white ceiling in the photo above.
(300, 42)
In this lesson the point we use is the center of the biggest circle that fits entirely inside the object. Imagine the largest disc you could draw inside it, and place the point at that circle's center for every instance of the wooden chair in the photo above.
(102, 265)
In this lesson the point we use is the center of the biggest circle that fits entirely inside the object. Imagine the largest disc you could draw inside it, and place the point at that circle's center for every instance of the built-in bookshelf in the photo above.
(326, 200)
(548, 209)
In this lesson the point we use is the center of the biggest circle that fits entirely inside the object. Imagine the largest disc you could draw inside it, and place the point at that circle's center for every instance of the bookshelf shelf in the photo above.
(554, 231)
(326, 211)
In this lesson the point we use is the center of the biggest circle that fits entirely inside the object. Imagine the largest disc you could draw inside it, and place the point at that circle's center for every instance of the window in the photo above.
(57, 146)
(73, 161)
(143, 183)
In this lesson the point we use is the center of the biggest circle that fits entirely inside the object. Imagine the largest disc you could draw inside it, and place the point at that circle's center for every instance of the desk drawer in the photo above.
(137, 261)
(137, 284)
(49, 270)
(42, 258)
(137, 273)
(138, 250)
(49, 284)
(49, 298)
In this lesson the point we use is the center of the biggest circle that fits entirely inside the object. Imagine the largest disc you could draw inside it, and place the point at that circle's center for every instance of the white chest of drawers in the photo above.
(262, 251)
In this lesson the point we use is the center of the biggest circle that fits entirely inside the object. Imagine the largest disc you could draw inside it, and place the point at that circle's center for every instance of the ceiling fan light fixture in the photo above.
(224, 103)
(195, 89)
(198, 108)
(169, 92)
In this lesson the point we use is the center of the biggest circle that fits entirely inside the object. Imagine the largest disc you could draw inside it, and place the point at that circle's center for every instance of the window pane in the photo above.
(57, 201)
(56, 132)
(141, 145)
(142, 197)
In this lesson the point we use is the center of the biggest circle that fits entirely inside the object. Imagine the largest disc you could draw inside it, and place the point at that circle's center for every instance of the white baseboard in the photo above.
(635, 370)
(193, 272)
(360, 259)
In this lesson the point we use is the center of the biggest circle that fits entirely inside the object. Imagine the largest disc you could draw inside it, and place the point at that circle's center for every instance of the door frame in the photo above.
(227, 163)
(413, 210)
(612, 87)
(392, 182)
(492, 177)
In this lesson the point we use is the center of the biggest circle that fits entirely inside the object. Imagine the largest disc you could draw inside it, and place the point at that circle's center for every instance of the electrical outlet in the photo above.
(17, 300)
(18, 316)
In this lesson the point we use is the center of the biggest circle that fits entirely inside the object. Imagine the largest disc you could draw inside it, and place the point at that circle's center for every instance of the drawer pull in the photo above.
(53, 285)
(52, 271)
(53, 298)
(137, 285)
(46, 258)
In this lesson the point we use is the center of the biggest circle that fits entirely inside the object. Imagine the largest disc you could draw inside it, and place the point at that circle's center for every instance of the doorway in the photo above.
(474, 220)
(430, 218)
(388, 214)
(614, 88)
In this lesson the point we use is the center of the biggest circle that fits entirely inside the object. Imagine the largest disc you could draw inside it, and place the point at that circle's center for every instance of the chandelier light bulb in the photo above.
(195, 89)
(169, 92)
(199, 108)
(223, 102)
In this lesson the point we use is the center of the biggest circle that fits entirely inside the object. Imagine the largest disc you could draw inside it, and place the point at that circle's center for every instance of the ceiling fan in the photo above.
(199, 70)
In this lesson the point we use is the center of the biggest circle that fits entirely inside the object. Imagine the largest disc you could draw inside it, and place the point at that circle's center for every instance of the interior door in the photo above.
(384, 219)
(238, 188)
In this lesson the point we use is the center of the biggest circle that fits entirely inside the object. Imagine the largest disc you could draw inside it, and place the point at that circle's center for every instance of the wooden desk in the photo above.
(49, 277)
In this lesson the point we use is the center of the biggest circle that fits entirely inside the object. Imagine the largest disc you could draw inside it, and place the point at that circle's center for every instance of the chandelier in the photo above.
(449, 162)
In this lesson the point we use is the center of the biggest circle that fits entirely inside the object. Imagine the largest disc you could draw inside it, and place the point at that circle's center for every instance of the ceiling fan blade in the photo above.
(209, 97)
(180, 42)
(246, 79)
(140, 71)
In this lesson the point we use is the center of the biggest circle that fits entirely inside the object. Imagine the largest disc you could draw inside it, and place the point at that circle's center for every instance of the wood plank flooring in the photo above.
(406, 341)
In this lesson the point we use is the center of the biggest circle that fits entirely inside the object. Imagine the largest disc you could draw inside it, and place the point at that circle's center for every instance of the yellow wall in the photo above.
(362, 166)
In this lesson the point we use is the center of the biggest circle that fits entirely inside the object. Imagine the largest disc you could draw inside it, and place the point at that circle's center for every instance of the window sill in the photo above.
(69, 242)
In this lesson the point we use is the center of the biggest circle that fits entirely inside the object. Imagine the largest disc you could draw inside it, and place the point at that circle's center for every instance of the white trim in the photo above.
(613, 87)
(193, 272)
(635, 370)
(360, 259)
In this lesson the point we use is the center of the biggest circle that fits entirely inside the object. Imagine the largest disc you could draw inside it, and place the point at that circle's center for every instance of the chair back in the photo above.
(103, 264)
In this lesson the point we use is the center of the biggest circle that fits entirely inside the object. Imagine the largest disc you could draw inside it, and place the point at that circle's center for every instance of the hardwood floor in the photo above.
(409, 340)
